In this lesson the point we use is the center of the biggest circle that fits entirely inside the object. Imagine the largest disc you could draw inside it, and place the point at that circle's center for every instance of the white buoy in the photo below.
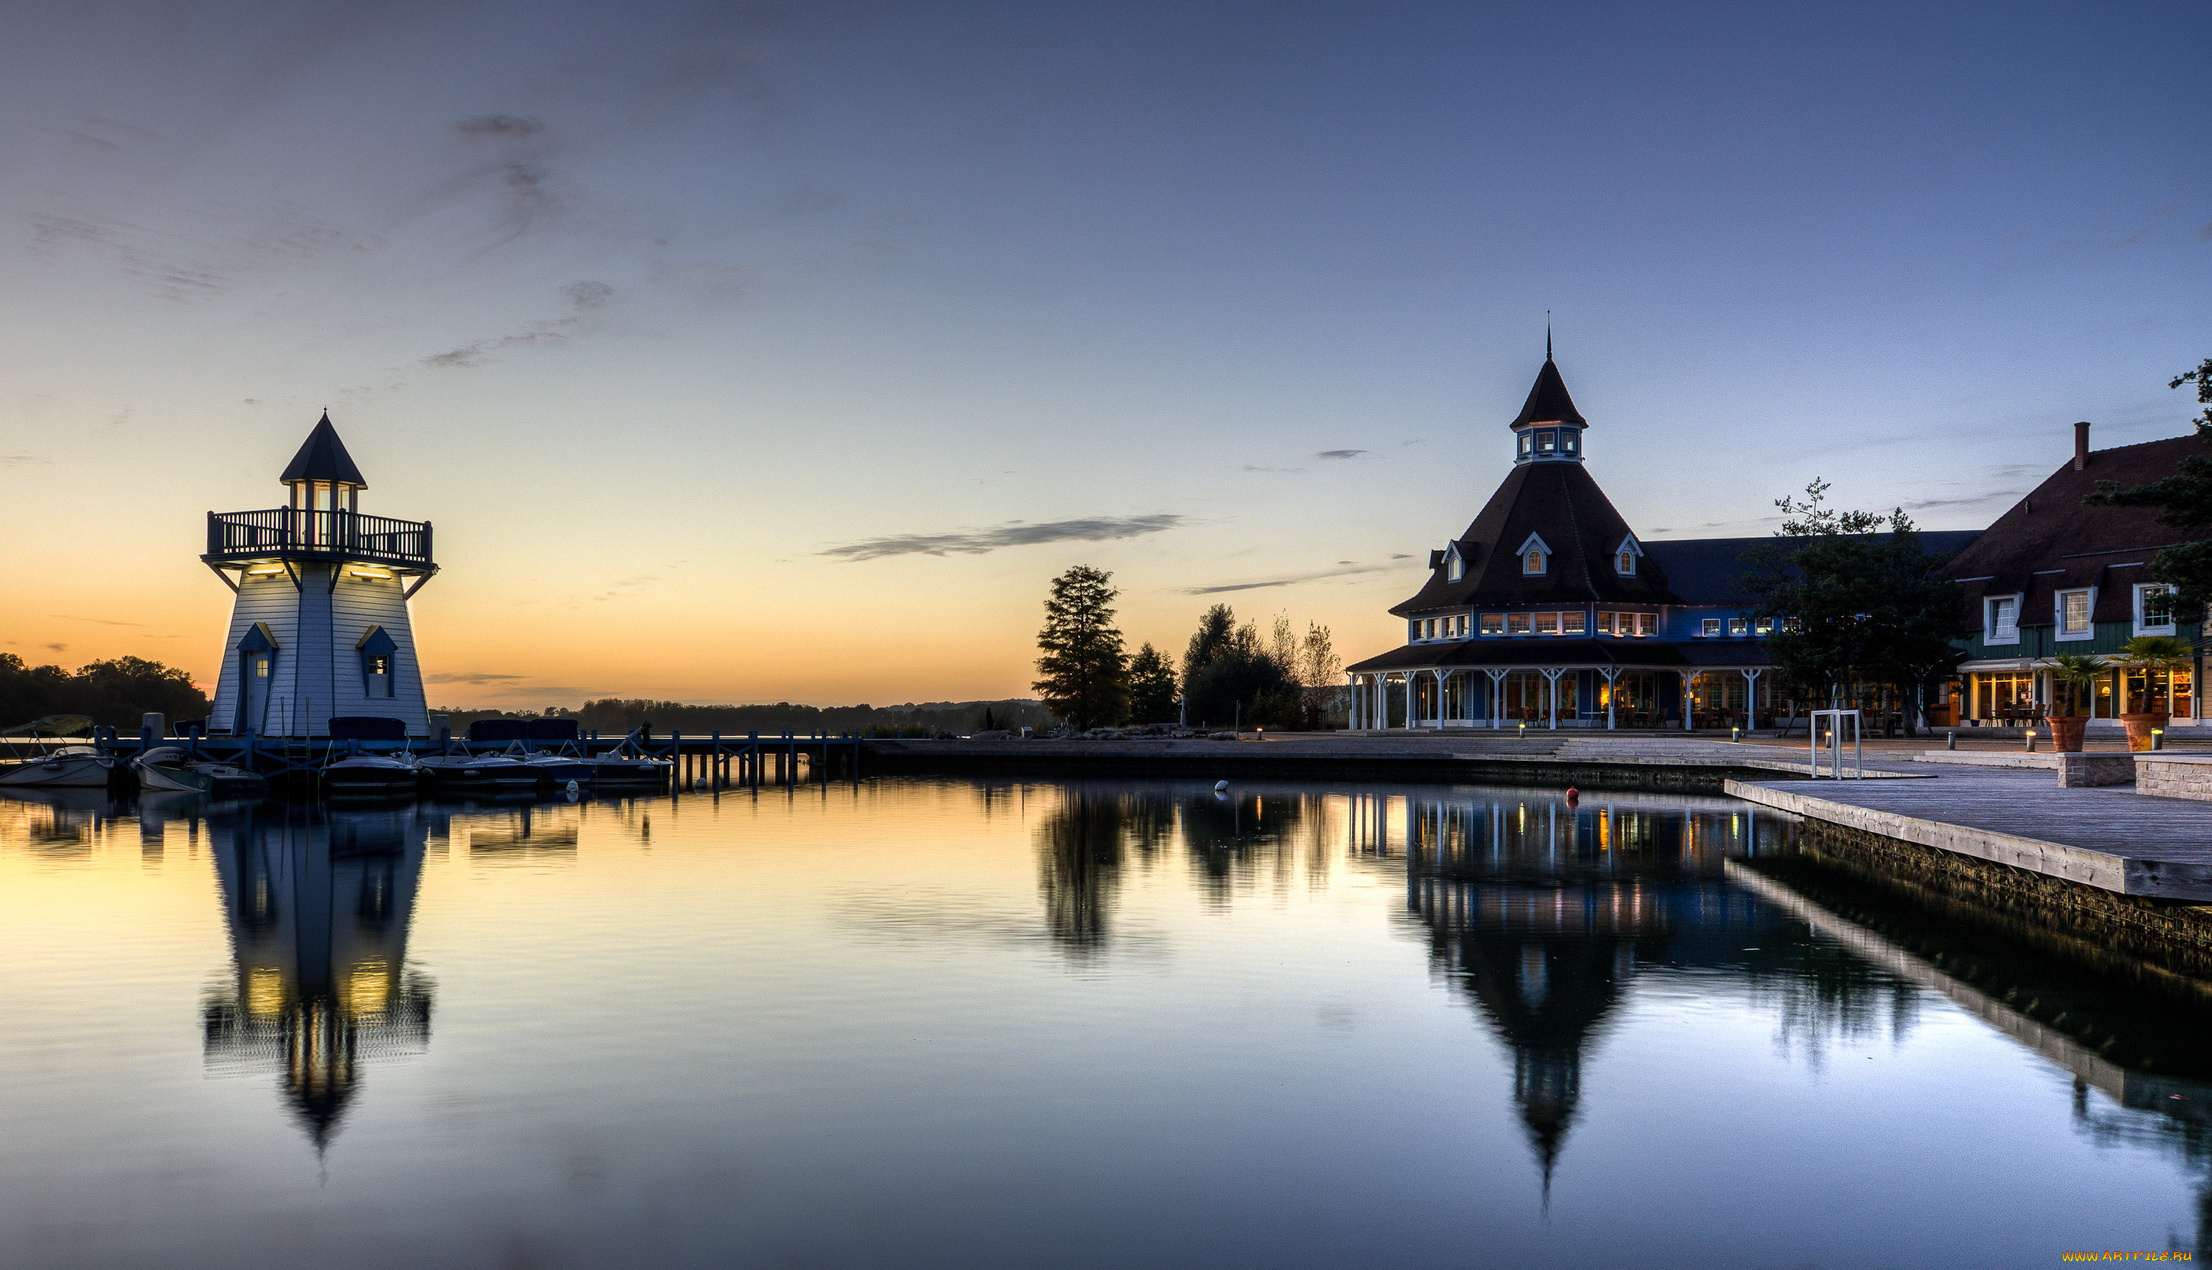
(1221, 787)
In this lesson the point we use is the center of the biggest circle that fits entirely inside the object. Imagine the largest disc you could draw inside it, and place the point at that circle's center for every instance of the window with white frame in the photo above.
(1624, 557)
(2073, 611)
(1413, 631)
(1493, 623)
(2001, 619)
(1535, 555)
(2154, 609)
(1547, 623)
(1573, 623)
(1646, 623)
(1516, 623)
(1709, 627)
(1738, 626)
(1455, 566)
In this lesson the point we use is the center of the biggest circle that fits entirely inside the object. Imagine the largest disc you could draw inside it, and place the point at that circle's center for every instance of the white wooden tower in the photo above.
(320, 625)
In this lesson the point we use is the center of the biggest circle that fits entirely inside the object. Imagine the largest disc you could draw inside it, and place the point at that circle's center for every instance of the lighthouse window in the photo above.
(1524, 444)
(1570, 442)
(1546, 442)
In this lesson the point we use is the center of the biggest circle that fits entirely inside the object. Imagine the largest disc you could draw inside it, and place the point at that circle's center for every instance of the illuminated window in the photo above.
(1709, 627)
(1516, 623)
(1572, 623)
(1547, 623)
(1493, 623)
(1738, 626)
(1454, 567)
(1605, 623)
(1647, 623)
(1532, 562)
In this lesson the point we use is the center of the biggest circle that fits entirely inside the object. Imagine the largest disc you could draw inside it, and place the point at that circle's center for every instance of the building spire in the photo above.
(1547, 335)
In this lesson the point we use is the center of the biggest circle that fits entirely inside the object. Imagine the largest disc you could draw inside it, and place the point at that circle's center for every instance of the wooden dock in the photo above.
(2107, 837)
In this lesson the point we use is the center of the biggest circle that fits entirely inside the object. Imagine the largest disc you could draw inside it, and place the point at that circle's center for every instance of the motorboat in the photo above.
(173, 768)
(68, 767)
(617, 768)
(477, 772)
(558, 770)
(371, 774)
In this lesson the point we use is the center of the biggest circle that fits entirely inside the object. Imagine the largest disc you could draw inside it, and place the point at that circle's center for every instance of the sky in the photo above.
(786, 351)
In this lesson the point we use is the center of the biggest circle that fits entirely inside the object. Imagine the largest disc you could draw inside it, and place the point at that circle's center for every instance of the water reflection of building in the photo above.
(1543, 913)
(318, 903)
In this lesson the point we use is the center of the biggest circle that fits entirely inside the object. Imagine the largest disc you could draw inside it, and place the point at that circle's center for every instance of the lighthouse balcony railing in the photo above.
(293, 531)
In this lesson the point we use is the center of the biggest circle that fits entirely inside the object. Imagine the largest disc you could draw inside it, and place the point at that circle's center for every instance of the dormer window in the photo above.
(2001, 619)
(1625, 555)
(1535, 557)
(1455, 565)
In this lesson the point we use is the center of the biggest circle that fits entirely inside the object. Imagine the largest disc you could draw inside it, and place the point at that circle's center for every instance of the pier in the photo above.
(714, 758)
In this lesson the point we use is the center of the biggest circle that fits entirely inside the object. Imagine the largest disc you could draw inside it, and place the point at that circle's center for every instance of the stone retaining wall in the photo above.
(2174, 775)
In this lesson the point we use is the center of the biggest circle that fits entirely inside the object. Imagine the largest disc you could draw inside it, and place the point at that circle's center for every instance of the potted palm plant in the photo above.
(2150, 654)
(2072, 674)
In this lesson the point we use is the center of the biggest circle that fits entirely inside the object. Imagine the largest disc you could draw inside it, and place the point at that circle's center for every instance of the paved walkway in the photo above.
(2109, 837)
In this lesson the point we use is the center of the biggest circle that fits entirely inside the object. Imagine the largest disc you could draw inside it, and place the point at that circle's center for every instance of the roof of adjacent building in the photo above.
(323, 457)
(2049, 542)
(1708, 570)
(1548, 401)
(1561, 504)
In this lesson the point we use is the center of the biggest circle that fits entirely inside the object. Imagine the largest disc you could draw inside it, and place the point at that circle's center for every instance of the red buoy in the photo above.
(1573, 795)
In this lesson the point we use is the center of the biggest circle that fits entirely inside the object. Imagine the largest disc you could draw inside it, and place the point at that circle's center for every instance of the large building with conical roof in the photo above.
(1551, 610)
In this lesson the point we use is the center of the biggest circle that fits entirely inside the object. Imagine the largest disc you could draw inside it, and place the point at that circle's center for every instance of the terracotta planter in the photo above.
(2139, 727)
(2066, 732)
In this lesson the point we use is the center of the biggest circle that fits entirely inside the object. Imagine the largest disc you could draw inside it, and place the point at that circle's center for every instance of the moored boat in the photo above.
(477, 772)
(172, 768)
(69, 767)
(371, 774)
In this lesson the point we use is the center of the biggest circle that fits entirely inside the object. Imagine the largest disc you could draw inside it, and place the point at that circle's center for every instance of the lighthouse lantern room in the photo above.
(320, 626)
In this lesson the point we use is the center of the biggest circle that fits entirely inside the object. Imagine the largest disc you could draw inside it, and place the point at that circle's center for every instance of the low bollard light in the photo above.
(2158, 738)
(1524, 732)
(2031, 740)
(1951, 740)
(1735, 734)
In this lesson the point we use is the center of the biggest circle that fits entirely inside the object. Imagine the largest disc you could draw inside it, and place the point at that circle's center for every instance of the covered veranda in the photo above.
(1553, 684)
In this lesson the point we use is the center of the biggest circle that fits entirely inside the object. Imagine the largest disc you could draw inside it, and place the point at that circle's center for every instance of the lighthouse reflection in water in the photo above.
(318, 902)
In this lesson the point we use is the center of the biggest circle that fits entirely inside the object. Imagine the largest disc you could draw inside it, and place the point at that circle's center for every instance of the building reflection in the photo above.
(318, 902)
(1542, 914)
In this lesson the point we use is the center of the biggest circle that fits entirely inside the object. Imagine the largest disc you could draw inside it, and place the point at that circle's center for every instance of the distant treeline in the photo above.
(616, 715)
(116, 693)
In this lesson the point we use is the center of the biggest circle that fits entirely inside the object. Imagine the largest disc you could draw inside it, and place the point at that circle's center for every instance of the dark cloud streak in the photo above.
(976, 542)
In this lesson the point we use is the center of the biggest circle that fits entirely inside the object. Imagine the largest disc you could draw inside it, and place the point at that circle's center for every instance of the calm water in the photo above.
(946, 1023)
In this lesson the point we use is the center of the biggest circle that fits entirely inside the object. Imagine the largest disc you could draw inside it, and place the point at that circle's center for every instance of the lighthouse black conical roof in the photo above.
(323, 457)
(1548, 401)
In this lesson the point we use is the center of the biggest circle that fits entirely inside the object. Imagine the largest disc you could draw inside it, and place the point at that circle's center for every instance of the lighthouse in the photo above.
(319, 627)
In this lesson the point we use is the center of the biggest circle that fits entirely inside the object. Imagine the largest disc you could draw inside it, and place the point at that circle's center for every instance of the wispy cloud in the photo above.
(101, 621)
(498, 128)
(22, 458)
(1344, 569)
(479, 677)
(582, 297)
(974, 542)
(1341, 454)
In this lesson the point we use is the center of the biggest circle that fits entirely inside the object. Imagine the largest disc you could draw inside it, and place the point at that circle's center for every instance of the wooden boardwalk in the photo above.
(2109, 837)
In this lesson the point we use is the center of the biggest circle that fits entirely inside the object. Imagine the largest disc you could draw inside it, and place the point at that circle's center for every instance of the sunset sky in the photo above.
(748, 352)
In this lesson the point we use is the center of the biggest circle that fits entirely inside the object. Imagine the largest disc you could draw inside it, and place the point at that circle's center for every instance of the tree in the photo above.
(115, 693)
(2186, 502)
(1852, 599)
(1085, 681)
(1152, 687)
(1320, 675)
(1229, 675)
